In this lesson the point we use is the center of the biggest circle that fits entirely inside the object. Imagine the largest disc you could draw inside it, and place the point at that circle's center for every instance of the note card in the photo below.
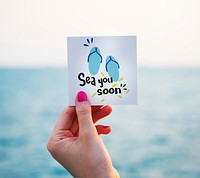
(105, 67)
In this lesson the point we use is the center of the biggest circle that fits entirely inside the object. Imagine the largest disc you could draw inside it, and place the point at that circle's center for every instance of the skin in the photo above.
(76, 143)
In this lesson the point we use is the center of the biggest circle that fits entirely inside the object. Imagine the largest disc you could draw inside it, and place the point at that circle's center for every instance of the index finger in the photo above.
(65, 119)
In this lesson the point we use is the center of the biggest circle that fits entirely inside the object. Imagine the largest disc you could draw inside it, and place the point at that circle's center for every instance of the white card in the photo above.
(105, 67)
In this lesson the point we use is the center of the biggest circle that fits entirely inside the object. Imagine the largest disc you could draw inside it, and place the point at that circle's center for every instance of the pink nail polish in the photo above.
(82, 96)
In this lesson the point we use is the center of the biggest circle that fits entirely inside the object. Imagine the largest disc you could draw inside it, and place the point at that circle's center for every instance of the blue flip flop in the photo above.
(112, 67)
(94, 60)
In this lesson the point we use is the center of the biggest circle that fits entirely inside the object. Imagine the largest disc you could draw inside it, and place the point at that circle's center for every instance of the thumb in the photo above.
(83, 110)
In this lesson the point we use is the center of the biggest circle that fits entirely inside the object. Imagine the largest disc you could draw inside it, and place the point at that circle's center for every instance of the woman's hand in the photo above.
(75, 142)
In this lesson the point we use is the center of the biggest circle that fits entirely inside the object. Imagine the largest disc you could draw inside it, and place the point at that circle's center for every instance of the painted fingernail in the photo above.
(105, 127)
(82, 96)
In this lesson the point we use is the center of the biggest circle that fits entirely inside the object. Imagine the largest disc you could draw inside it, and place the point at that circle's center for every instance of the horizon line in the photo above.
(65, 67)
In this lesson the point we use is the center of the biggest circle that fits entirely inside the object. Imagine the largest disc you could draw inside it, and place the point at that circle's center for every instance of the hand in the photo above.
(75, 142)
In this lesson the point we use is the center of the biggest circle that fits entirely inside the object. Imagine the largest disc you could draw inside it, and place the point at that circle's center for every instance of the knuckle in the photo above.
(51, 147)
(66, 112)
(84, 112)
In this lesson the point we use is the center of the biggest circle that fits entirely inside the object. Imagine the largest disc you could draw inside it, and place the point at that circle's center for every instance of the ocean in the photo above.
(158, 138)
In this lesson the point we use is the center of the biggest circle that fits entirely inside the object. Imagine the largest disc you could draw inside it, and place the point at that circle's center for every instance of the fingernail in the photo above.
(105, 127)
(82, 96)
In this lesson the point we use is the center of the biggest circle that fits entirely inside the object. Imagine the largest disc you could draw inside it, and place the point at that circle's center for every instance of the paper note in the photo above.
(105, 67)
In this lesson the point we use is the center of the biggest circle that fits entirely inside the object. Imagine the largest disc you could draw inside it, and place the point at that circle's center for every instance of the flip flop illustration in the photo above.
(112, 67)
(94, 60)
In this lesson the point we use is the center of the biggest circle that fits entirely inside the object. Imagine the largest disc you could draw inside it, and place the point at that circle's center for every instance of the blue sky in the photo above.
(33, 33)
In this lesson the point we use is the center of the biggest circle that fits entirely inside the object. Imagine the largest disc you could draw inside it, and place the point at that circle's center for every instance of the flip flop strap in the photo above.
(110, 61)
(95, 52)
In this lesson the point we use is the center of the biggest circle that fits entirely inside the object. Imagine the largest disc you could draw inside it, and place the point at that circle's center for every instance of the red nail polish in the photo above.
(82, 96)
(105, 127)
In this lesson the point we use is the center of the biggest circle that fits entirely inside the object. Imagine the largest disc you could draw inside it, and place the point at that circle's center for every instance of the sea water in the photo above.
(158, 138)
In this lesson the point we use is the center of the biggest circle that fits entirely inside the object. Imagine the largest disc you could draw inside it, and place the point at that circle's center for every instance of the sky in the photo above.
(33, 32)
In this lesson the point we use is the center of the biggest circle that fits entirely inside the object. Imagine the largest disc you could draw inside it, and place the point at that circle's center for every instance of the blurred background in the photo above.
(158, 138)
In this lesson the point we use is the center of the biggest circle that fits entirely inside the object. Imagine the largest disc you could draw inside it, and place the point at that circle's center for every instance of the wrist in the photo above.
(115, 173)
(112, 173)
